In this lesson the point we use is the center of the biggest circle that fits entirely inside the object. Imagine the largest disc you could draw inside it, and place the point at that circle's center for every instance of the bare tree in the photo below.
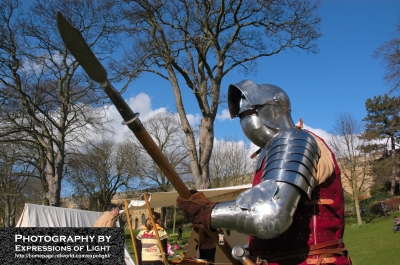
(15, 171)
(389, 53)
(43, 93)
(195, 44)
(353, 162)
(231, 163)
(102, 169)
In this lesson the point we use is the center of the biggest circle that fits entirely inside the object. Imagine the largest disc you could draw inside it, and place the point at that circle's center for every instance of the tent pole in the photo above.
(164, 256)
(128, 217)
(173, 228)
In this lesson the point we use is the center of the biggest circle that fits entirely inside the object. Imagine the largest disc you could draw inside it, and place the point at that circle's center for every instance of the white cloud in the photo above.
(225, 115)
(319, 132)
(194, 119)
(141, 104)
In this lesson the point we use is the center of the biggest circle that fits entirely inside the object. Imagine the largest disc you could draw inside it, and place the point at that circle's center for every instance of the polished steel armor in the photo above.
(289, 157)
(292, 157)
(264, 110)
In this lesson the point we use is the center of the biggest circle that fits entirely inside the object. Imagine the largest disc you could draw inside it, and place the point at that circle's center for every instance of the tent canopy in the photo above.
(35, 215)
(161, 199)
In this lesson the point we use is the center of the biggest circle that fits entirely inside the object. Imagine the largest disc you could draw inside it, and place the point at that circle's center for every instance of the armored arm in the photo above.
(267, 209)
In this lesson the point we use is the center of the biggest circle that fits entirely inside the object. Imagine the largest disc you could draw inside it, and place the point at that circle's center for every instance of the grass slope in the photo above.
(373, 243)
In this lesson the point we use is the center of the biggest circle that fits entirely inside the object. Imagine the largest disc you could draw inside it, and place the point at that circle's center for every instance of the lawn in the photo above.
(373, 243)
(369, 244)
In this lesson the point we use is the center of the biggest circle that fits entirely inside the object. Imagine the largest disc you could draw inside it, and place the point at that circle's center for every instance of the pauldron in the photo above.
(292, 156)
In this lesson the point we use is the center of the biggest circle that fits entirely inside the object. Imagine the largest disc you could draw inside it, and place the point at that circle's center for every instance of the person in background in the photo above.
(362, 210)
(148, 250)
(176, 246)
(396, 224)
(180, 231)
(109, 217)
(169, 250)
(385, 210)
(382, 209)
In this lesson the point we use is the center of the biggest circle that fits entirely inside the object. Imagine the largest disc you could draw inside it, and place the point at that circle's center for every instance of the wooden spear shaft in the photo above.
(164, 256)
(128, 218)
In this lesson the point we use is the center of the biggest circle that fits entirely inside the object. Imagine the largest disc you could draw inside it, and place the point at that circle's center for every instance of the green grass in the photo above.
(369, 244)
(372, 243)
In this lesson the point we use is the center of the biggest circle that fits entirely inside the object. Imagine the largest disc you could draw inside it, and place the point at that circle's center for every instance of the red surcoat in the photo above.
(316, 221)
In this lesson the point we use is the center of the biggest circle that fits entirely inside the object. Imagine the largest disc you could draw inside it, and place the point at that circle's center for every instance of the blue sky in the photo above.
(340, 78)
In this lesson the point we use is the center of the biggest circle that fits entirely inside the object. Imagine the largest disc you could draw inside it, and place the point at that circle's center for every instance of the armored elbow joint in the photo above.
(265, 211)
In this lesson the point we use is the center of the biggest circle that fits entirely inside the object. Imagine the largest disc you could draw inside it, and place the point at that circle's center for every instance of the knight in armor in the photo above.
(294, 213)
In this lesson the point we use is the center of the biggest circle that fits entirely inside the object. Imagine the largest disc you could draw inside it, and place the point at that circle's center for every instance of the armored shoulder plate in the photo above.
(292, 156)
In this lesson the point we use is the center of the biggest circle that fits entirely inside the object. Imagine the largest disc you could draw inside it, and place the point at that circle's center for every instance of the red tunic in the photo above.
(313, 224)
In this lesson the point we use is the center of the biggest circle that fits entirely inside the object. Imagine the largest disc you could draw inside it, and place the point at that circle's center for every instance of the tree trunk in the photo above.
(190, 138)
(206, 140)
(53, 181)
(357, 206)
(394, 167)
(7, 213)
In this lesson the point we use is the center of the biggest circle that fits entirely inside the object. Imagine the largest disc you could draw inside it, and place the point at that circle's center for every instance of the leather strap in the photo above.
(324, 261)
(326, 244)
(317, 249)
(319, 202)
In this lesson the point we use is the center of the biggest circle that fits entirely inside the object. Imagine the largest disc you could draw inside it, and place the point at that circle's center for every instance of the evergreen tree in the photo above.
(383, 123)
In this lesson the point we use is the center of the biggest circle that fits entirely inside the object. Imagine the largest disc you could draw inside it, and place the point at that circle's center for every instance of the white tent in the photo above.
(48, 216)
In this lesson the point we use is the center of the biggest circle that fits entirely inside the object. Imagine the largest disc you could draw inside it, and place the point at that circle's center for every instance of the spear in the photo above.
(78, 47)
(83, 54)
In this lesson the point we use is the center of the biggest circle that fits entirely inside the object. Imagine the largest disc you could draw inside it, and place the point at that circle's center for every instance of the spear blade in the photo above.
(78, 47)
